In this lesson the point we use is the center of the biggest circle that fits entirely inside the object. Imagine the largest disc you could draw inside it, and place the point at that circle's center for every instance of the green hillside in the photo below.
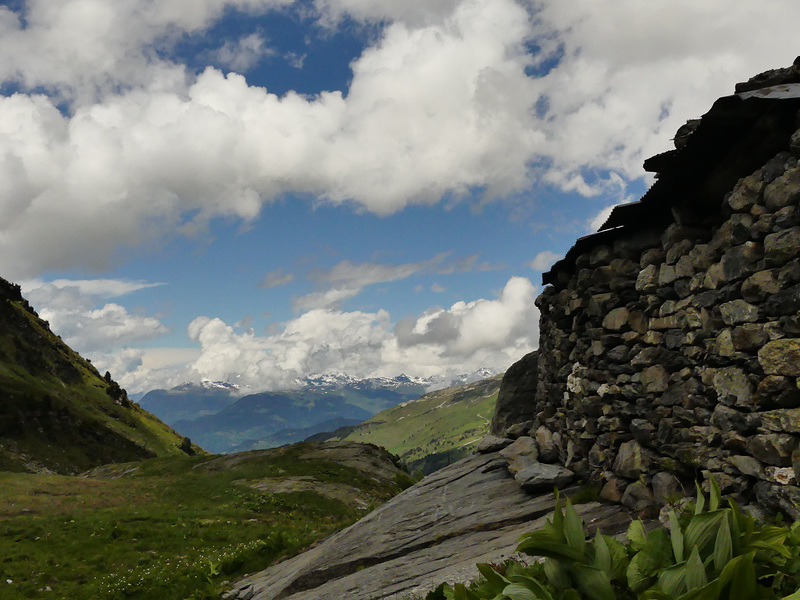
(435, 430)
(56, 411)
(180, 527)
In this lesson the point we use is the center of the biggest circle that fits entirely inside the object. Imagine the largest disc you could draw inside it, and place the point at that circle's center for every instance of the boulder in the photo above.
(540, 477)
(515, 400)
(639, 498)
(547, 443)
(631, 460)
(522, 453)
(492, 443)
(666, 488)
(469, 512)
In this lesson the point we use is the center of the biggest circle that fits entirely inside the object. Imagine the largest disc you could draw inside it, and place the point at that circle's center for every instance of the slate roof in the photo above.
(737, 136)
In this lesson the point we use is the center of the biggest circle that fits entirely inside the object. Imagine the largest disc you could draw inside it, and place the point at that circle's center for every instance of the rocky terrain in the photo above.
(472, 511)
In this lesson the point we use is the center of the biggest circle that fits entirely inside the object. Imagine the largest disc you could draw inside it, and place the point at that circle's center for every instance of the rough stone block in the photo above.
(781, 357)
(773, 448)
(655, 379)
(782, 246)
(760, 285)
(613, 490)
(520, 454)
(492, 443)
(783, 420)
(647, 280)
(542, 477)
(747, 465)
(779, 498)
(666, 488)
(741, 260)
(714, 277)
(784, 191)
(666, 275)
(786, 302)
(639, 498)
(746, 193)
(733, 387)
(547, 443)
(631, 460)
(616, 319)
(749, 336)
(738, 311)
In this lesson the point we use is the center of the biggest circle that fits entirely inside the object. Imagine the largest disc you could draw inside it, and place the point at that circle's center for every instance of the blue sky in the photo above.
(257, 190)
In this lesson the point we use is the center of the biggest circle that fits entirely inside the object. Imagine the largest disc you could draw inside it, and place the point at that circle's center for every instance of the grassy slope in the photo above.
(54, 409)
(439, 427)
(165, 528)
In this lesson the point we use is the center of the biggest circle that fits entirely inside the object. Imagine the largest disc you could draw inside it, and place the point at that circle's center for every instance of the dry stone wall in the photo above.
(674, 354)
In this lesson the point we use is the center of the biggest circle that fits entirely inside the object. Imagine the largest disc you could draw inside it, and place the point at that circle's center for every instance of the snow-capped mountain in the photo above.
(222, 415)
(336, 380)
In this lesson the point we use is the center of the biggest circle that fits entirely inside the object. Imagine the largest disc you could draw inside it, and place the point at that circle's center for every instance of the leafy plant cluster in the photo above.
(705, 553)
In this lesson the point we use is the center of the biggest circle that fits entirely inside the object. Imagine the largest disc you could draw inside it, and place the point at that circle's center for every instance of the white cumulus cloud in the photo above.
(77, 311)
(469, 335)
(544, 260)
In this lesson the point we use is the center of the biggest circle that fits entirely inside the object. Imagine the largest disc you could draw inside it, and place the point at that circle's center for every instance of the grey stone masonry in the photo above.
(678, 356)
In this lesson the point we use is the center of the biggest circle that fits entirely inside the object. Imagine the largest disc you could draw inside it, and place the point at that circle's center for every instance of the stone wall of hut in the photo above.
(674, 354)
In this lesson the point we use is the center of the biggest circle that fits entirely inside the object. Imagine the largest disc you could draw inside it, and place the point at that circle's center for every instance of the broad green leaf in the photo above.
(438, 593)
(701, 500)
(517, 591)
(672, 581)
(646, 564)
(637, 534)
(710, 591)
(619, 557)
(676, 536)
(492, 577)
(602, 555)
(743, 579)
(639, 572)
(460, 592)
(594, 583)
(557, 574)
(695, 572)
(723, 546)
(737, 523)
(702, 529)
(715, 494)
(573, 529)
(795, 596)
(539, 543)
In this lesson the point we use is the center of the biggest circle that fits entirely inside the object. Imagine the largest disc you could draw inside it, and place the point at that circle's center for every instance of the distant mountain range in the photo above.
(430, 432)
(219, 417)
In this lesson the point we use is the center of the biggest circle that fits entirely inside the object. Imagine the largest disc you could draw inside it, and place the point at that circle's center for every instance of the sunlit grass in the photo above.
(163, 528)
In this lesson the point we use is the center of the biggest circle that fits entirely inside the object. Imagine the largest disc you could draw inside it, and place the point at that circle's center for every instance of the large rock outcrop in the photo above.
(472, 511)
(516, 400)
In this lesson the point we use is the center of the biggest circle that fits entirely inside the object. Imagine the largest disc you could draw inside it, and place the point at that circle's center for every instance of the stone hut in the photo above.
(670, 339)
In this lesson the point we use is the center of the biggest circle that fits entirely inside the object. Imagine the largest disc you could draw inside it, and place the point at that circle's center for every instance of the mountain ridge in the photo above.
(57, 413)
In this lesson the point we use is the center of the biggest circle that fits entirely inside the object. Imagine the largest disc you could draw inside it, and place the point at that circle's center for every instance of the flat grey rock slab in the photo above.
(472, 511)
